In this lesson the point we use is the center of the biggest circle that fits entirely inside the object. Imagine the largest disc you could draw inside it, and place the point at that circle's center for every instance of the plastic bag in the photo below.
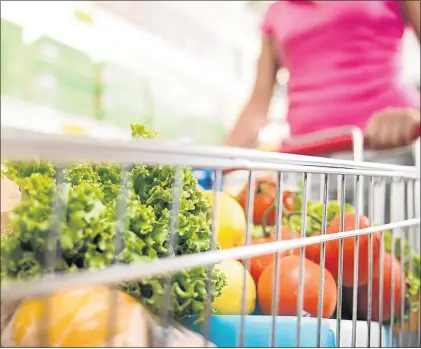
(87, 317)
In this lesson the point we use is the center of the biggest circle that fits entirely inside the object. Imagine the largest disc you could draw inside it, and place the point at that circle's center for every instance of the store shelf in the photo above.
(31, 117)
(111, 38)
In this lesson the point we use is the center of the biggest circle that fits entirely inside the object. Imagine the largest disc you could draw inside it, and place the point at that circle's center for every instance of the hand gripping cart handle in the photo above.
(340, 140)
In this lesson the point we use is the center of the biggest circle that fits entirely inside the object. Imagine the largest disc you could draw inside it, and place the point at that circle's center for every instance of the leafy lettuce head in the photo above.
(87, 231)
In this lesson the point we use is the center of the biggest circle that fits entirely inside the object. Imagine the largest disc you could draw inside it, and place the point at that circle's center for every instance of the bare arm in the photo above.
(254, 115)
(394, 127)
(412, 10)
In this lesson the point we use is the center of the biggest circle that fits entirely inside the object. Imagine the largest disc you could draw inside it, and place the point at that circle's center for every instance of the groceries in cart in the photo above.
(100, 216)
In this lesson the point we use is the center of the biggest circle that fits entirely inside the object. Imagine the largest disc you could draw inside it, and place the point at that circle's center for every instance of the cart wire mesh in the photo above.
(64, 151)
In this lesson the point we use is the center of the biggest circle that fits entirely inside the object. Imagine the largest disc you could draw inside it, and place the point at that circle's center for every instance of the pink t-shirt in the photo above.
(343, 59)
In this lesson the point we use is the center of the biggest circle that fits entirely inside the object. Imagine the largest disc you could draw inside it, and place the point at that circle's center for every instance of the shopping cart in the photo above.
(240, 330)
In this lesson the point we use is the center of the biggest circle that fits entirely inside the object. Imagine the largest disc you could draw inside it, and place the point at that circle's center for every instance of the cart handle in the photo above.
(331, 145)
(338, 143)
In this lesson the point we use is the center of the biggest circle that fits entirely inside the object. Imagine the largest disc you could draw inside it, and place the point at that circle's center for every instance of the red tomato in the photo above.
(288, 281)
(313, 251)
(265, 199)
(388, 263)
(288, 200)
(331, 255)
(258, 263)
(332, 250)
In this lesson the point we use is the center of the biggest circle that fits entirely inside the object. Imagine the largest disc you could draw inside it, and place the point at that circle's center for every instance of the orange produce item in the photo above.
(289, 281)
(258, 263)
(80, 318)
(265, 200)
(388, 262)
(332, 250)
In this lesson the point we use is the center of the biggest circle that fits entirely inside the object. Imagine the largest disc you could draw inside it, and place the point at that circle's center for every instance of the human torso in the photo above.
(343, 59)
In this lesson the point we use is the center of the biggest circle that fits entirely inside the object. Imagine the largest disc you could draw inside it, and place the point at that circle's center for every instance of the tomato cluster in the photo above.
(264, 204)
(259, 263)
(262, 267)
(388, 261)
(262, 271)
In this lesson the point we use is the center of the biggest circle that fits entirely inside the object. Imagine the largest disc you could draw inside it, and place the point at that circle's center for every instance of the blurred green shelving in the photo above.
(12, 55)
(124, 96)
(60, 77)
(62, 56)
(49, 73)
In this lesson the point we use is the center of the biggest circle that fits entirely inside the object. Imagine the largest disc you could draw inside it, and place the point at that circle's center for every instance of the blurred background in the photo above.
(183, 67)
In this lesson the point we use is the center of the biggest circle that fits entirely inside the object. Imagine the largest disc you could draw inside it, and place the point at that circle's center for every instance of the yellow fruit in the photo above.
(74, 130)
(80, 318)
(230, 301)
(231, 220)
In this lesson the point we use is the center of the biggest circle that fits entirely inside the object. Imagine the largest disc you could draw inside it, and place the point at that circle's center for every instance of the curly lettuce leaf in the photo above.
(142, 131)
(90, 197)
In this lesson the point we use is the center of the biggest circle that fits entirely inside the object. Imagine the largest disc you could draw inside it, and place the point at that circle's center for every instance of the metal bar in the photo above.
(213, 247)
(322, 261)
(249, 229)
(174, 221)
(340, 261)
(381, 279)
(120, 273)
(410, 191)
(278, 227)
(416, 237)
(122, 206)
(370, 262)
(59, 148)
(356, 264)
(241, 164)
(402, 275)
(51, 253)
(392, 291)
(302, 259)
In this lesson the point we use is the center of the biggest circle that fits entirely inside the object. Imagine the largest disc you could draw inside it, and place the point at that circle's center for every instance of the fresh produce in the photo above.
(87, 233)
(388, 263)
(289, 281)
(264, 206)
(259, 263)
(79, 318)
(230, 300)
(411, 282)
(332, 250)
(314, 214)
(413, 277)
(409, 325)
(231, 221)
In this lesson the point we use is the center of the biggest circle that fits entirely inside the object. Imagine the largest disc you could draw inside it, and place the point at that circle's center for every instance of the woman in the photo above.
(342, 59)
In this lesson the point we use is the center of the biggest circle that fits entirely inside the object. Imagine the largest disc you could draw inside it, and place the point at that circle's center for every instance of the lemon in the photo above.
(231, 220)
(230, 301)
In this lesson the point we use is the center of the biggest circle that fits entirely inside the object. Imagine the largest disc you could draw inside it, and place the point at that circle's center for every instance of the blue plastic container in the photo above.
(224, 331)
(205, 178)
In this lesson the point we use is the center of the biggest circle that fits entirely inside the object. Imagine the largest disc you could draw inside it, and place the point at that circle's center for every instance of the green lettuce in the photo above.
(87, 232)
(314, 215)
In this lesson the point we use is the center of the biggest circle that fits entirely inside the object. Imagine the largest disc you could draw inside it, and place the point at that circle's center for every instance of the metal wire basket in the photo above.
(274, 328)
